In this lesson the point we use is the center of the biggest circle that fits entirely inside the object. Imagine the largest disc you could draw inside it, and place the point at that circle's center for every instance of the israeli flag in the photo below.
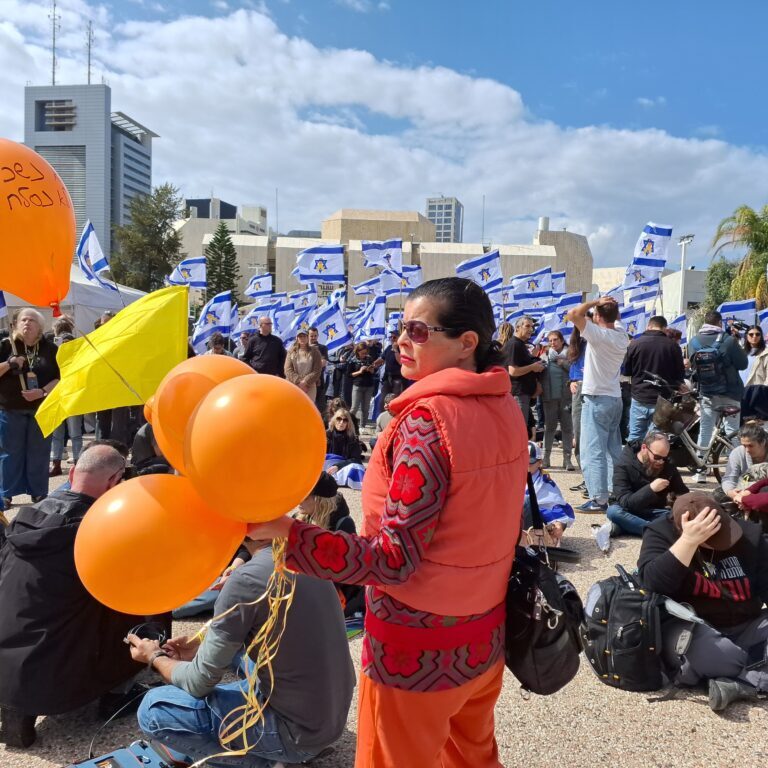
(393, 322)
(387, 254)
(370, 287)
(647, 292)
(566, 302)
(558, 283)
(742, 311)
(393, 284)
(484, 270)
(653, 242)
(536, 283)
(503, 295)
(91, 258)
(332, 329)
(219, 314)
(258, 286)
(680, 323)
(250, 322)
(372, 324)
(3, 307)
(413, 277)
(634, 320)
(762, 320)
(306, 299)
(320, 264)
(189, 272)
(284, 316)
(299, 321)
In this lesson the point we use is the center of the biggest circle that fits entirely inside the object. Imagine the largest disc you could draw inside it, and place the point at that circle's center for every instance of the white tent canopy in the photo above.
(85, 301)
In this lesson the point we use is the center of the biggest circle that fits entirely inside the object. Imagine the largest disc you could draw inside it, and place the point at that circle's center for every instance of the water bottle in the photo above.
(32, 380)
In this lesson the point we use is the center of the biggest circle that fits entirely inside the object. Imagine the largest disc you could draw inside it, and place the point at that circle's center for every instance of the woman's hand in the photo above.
(574, 387)
(30, 395)
(705, 525)
(15, 362)
(274, 529)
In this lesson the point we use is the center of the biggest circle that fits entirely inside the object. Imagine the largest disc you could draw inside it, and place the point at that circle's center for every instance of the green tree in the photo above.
(718, 282)
(748, 229)
(222, 272)
(149, 247)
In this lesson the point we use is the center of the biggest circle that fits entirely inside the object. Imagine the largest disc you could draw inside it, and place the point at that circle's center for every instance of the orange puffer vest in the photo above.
(467, 563)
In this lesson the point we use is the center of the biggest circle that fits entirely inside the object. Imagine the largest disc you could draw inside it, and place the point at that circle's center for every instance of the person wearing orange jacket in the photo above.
(442, 501)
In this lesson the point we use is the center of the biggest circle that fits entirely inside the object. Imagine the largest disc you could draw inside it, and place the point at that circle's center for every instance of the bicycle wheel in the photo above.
(718, 453)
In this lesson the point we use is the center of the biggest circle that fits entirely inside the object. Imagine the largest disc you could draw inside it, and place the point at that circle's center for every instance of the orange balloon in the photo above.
(148, 408)
(180, 392)
(255, 447)
(151, 544)
(37, 227)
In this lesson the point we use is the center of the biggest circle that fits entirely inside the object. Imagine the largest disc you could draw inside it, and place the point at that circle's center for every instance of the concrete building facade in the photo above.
(104, 158)
(355, 224)
(447, 214)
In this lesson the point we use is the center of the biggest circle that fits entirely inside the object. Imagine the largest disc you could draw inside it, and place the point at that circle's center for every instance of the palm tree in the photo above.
(748, 229)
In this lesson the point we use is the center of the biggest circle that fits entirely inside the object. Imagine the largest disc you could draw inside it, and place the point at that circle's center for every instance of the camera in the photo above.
(739, 325)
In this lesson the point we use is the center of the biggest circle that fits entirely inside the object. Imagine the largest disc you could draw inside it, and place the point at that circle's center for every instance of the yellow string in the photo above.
(279, 594)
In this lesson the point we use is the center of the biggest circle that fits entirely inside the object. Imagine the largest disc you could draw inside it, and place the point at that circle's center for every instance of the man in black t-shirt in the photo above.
(524, 368)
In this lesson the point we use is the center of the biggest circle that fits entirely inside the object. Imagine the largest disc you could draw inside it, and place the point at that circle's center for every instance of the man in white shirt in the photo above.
(601, 390)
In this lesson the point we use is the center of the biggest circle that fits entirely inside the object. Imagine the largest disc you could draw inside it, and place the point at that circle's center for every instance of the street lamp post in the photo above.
(682, 242)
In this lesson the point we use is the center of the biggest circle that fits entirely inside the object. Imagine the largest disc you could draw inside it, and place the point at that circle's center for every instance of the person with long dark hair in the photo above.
(754, 401)
(442, 502)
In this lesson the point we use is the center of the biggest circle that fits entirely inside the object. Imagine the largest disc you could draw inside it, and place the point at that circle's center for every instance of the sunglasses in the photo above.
(418, 332)
(754, 333)
(655, 456)
(342, 420)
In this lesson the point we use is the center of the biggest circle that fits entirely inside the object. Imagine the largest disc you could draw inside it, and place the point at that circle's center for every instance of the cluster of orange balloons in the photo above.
(248, 448)
(37, 227)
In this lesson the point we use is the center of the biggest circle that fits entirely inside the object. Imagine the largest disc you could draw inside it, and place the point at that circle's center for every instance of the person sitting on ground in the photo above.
(642, 483)
(344, 452)
(59, 647)
(309, 689)
(753, 449)
(556, 513)
(326, 507)
(701, 556)
(335, 404)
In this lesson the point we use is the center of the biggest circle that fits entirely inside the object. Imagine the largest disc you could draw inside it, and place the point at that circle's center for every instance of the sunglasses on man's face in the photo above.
(418, 332)
(655, 456)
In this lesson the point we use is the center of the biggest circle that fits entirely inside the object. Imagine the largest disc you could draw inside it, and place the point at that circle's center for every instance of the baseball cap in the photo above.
(730, 531)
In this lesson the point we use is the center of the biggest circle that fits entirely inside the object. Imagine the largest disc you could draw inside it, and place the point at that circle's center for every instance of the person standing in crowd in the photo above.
(754, 401)
(716, 359)
(524, 368)
(304, 365)
(556, 397)
(322, 384)
(643, 480)
(265, 352)
(217, 345)
(602, 406)
(441, 516)
(392, 382)
(242, 344)
(28, 372)
(577, 348)
(651, 352)
(72, 427)
(700, 556)
(362, 371)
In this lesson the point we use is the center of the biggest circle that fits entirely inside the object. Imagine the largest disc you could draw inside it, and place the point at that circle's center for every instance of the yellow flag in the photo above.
(122, 362)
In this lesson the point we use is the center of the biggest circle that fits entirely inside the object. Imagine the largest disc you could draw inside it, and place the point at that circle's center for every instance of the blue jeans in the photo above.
(191, 726)
(24, 455)
(709, 417)
(640, 420)
(630, 523)
(203, 603)
(600, 443)
(73, 426)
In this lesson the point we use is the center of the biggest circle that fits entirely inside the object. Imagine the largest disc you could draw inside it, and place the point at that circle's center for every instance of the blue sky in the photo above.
(601, 115)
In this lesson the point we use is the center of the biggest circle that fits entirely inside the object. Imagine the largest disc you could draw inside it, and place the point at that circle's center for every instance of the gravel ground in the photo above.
(586, 724)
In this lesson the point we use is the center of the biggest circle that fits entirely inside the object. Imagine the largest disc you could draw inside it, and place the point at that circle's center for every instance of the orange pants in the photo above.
(444, 729)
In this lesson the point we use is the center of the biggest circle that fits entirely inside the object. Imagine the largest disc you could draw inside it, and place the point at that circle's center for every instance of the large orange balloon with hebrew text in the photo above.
(180, 392)
(37, 227)
(255, 447)
(151, 544)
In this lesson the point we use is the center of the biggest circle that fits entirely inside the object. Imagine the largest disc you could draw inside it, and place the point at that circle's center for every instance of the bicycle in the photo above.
(677, 415)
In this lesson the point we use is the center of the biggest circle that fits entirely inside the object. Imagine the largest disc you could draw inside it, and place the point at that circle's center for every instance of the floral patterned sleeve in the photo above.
(417, 492)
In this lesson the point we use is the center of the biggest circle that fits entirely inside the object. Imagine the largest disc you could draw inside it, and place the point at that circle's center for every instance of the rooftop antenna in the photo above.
(54, 17)
(89, 46)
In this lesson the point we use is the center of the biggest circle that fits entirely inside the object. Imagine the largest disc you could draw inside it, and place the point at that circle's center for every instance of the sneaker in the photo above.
(723, 692)
(593, 507)
(582, 486)
(568, 466)
(17, 730)
(700, 478)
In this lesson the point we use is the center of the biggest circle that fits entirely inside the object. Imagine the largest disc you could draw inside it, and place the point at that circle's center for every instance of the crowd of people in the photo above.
(440, 428)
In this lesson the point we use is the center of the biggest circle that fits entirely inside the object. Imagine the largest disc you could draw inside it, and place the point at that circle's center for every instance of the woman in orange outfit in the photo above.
(441, 515)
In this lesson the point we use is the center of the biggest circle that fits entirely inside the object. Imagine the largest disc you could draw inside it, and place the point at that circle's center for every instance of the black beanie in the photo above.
(325, 486)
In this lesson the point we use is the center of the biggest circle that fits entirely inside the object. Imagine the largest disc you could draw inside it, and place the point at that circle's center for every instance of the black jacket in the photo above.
(632, 487)
(653, 351)
(266, 354)
(731, 596)
(59, 647)
(343, 445)
(734, 358)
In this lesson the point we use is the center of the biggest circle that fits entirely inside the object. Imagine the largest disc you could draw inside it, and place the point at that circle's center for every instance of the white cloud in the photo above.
(364, 6)
(245, 108)
(647, 103)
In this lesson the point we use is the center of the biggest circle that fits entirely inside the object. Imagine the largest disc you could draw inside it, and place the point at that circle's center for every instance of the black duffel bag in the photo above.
(544, 612)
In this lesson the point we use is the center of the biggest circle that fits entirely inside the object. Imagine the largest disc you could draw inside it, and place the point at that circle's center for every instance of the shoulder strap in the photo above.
(538, 523)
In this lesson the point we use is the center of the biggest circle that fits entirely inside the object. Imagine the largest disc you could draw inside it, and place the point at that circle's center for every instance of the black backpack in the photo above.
(621, 634)
(709, 366)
